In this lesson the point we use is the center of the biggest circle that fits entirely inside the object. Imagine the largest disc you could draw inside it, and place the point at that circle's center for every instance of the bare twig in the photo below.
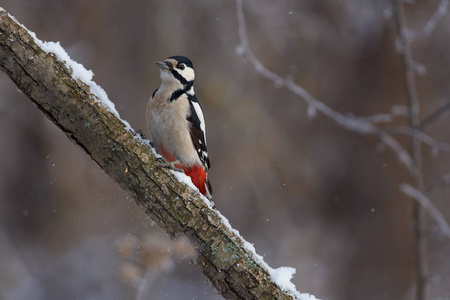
(414, 109)
(432, 22)
(419, 136)
(443, 183)
(349, 122)
(428, 205)
(434, 116)
(405, 52)
(402, 155)
(396, 111)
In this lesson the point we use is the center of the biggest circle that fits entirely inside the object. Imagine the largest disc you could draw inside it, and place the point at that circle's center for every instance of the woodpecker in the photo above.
(176, 123)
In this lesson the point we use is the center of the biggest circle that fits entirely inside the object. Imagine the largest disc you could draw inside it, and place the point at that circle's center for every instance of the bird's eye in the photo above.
(182, 66)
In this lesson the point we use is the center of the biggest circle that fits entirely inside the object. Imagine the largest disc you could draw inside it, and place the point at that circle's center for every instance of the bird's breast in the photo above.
(169, 128)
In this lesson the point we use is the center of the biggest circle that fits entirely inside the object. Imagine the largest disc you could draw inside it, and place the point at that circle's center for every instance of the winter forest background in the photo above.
(308, 192)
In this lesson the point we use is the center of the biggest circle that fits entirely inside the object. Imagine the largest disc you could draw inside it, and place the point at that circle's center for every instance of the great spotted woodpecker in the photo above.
(176, 124)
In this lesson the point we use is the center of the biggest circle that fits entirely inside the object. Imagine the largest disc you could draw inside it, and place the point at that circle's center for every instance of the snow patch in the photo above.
(79, 72)
(183, 178)
(281, 276)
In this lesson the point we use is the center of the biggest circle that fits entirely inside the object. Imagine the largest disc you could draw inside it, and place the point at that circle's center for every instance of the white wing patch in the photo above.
(199, 113)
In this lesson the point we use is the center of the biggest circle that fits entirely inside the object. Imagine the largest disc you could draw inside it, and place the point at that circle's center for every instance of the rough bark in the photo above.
(69, 103)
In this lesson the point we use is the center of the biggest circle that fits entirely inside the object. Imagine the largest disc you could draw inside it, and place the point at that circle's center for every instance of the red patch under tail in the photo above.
(196, 172)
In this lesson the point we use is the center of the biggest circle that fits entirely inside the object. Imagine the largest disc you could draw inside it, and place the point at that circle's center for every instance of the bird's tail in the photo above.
(197, 173)
(208, 188)
(199, 179)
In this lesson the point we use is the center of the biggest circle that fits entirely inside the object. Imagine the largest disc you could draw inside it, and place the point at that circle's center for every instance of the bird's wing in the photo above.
(198, 130)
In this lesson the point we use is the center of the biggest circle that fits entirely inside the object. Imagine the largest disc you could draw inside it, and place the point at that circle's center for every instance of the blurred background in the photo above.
(306, 192)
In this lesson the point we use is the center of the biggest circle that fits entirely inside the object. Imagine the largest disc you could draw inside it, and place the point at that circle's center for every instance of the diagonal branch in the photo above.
(429, 206)
(64, 91)
(420, 136)
(440, 12)
(434, 116)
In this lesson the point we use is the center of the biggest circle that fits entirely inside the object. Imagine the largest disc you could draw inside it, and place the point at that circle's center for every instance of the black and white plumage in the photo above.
(176, 123)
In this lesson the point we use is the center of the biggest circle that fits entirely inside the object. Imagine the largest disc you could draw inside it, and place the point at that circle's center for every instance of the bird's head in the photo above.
(177, 68)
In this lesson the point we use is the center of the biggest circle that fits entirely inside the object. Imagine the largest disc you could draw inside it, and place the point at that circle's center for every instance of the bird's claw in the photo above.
(162, 163)
(141, 133)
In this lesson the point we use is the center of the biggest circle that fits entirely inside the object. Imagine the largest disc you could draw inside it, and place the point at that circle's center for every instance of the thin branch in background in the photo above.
(428, 205)
(402, 155)
(419, 136)
(408, 64)
(443, 183)
(349, 122)
(419, 246)
(396, 111)
(379, 118)
(435, 116)
(440, 12)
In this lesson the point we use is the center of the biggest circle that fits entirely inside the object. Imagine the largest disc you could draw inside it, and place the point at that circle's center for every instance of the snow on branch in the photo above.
(65, 92)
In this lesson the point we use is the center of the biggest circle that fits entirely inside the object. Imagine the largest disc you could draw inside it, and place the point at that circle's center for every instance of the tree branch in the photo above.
(429, 206)
(81, 109)
(414, 123)
(432, 22)
(434, 116)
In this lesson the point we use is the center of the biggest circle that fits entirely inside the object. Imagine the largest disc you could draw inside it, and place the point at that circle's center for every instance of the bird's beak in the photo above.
(163, 65)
